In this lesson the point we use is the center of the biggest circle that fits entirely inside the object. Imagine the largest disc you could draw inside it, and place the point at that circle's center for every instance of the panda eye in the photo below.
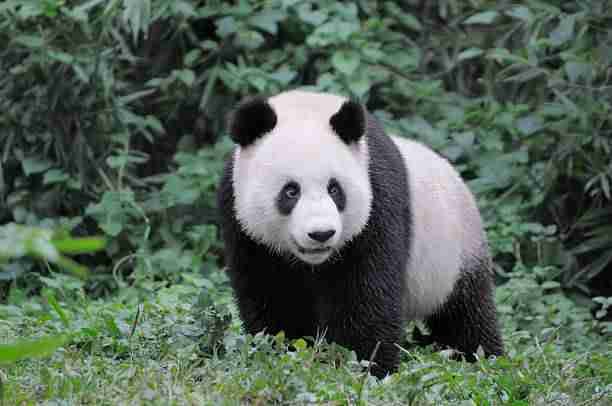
(333, 189)
(292, 191)
(337, 194)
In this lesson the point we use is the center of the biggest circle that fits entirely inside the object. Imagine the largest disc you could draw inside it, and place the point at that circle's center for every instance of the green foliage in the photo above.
(17, 241)
(515, 95)
(533, 301)
(112, 122)
(160, 352)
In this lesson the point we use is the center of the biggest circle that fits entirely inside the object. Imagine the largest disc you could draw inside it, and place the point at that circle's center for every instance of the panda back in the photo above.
(446, 228)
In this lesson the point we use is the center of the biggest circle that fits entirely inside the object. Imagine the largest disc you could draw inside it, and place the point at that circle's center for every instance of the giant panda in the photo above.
(330, 226)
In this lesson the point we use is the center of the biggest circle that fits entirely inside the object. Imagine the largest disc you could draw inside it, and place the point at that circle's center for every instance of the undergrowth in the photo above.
(112, 124)
(182, 347)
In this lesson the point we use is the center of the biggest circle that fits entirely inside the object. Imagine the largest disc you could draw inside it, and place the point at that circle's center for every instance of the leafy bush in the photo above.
(101, 96)
(164, 351)
(112, 117)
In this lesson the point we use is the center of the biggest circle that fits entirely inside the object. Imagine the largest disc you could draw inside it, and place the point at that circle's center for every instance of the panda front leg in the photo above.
(366, 319)
(369, 341)
(256, 317)
(265, 307)
(468, 319)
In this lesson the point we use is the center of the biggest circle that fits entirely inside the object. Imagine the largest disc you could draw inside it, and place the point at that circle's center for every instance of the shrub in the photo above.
(113, 116)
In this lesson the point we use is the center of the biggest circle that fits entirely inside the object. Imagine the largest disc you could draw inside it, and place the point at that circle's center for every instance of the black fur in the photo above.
(349, 122)
(468, 319)
(285, 203)
(251, 119)
(357, 298)
(337, 194)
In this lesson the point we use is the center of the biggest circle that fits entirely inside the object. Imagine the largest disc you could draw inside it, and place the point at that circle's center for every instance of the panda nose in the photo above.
(322, 236)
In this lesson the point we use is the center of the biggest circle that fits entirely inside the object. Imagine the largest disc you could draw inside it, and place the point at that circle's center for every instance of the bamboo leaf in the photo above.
(10, 353)
(486, 17)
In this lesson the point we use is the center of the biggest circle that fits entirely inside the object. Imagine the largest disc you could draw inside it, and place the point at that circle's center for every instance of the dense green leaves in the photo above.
(112, 121)
(173, 349)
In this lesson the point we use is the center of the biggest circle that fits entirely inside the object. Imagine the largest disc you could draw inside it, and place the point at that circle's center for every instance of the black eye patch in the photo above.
(337, 193)
(288, 198)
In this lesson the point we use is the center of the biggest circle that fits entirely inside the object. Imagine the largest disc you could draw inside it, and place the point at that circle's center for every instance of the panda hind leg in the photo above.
(468, 319)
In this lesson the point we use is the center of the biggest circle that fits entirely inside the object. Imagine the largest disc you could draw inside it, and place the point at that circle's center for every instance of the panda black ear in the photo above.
(250, 120)
(349, 122)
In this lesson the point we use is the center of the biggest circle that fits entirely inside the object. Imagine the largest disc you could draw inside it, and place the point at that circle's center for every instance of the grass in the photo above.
(174, 348)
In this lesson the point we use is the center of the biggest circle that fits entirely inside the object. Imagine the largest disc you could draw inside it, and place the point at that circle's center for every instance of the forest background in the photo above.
(112, 136)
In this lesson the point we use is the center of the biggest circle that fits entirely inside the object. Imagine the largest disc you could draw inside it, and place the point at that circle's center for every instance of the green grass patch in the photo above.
(177, 349)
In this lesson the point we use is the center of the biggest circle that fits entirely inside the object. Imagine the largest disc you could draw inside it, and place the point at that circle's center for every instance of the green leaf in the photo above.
(137, 15)
(300, 344)
(209, 45)
(72, 267)
(34, 165)
(30, 41)
(503, 55)
(333, 31)
(226, 26)
(117, 161)
(407, 60)
(192, 56)
(529, 125)
(187, 76)
(10, 353)
(82, 245)
(373, 54)
(88, 5)
(81, 73)
(578, 70)
(405, 19)
(469, 54)
(346, 61)
(60, 56)
(465, 139)
(112, 327)
(267, 20)
(486, 17)
(526, 75)
(55, 176)
(564, 31)
(250, 39)
(410, 21)
(551, 285)
(11, 271)
(136, 96)
(283, 75)
(290, 3)
(154, 123)
(112, 228)
(521, 13)
(307, 15)
(360, 85)
(50, 296)
(185, 8)
(567, 102)
(605, 185)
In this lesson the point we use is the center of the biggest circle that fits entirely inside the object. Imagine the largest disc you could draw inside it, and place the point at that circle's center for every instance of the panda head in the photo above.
(300, 175)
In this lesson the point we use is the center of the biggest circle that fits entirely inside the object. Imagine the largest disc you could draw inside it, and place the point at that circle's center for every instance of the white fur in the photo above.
(446, 228)
(303, 148)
